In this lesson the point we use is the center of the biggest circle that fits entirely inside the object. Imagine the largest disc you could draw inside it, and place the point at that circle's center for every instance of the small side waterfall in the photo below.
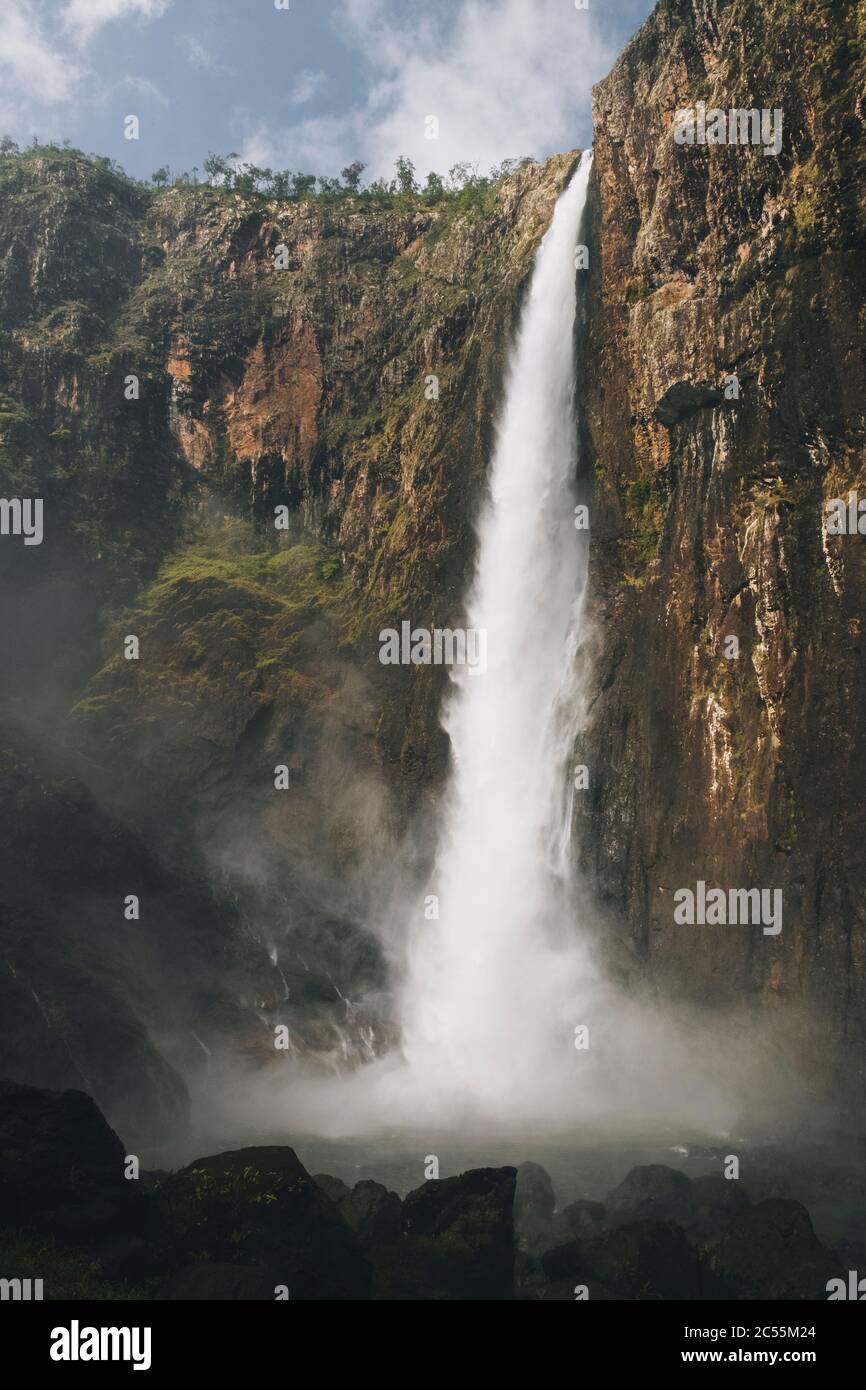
(492, 986)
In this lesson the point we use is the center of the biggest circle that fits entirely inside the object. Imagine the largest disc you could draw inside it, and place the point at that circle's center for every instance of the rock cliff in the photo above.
(177, 365)
(739, 764)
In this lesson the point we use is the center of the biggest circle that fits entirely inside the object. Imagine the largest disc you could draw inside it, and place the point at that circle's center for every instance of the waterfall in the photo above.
(496, 985)
(488, 1007)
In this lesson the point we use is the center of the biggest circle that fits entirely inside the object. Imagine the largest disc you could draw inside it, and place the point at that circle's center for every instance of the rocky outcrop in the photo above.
(534, 1204)
(651, 1192)
(258, 1209)
(458, 1240)
(640, 1259)
(62, 1168)
(771, 1251)
(725, 387)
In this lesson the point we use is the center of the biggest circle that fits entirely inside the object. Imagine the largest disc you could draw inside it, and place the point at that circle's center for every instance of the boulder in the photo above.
(652, 1192)
(458, 1239)
(715, 1201)
(639, 1260)
(334, 1188)
(373, 1213)
(581, 1218)
(259, 1206)
(369, 1209)
(771, 1251)
(62, 1167)
(534, 1203)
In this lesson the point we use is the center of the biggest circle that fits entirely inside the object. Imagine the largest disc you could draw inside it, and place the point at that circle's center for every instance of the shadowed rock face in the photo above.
(62, 1167)
(709, 263)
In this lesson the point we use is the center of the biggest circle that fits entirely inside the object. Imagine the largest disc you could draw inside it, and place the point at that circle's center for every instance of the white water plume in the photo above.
(489, 1001)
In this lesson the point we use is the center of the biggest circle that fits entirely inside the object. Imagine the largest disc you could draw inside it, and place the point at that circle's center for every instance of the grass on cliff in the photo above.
(644, 517)
(227, 610)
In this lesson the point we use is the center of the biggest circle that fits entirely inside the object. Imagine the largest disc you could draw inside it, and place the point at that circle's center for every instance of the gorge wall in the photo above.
(710, 262)
(307, 384)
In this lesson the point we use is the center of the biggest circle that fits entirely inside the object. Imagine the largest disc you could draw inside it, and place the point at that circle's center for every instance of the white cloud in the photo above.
(32, 73)
(306, 86)
(504, 78)
(145, 88)
(84, 18)
(197, 54)
(42, 74)
(318, 145)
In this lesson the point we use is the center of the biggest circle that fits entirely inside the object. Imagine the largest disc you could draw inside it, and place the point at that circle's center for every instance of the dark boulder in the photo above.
(334, 1188)
(652, 1192)
(259, 1206)
(373, 1213)
(640, 1260)
(62, 1167)
(458, 1239)
(581, 1218)
(771, 1251)
(715, 1202)
(534, 1204)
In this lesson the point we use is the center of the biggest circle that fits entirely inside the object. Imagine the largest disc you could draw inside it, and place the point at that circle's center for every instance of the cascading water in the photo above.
(492, 986)
(497, 984)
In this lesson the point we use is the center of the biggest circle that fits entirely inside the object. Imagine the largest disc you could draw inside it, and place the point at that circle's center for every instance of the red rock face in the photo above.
(709, 516)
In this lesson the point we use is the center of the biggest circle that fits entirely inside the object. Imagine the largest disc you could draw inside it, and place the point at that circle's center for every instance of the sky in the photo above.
(309, 86)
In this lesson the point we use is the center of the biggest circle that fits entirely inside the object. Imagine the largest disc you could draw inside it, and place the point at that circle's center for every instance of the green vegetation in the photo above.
(228, 612)
(66, 1274)
(464, 185)
(644, 516)
(777, 490)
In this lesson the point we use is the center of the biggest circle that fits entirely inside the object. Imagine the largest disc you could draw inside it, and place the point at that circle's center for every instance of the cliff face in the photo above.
(174, 368)
(745, 769)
